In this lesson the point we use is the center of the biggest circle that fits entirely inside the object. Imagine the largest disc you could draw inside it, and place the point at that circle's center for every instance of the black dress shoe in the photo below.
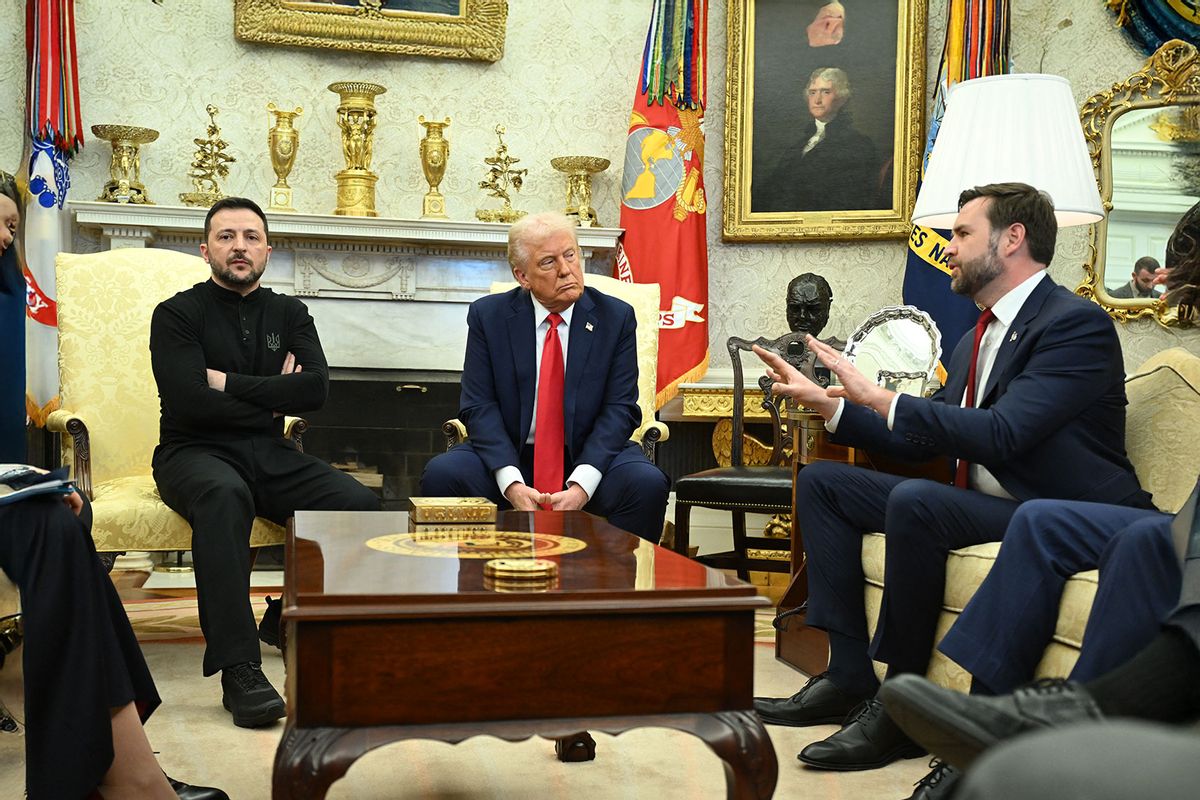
(250, 697)
(268, 629)
(820, 702)
(189, 792)
(959, 727)
(868, 741)
(938, 784)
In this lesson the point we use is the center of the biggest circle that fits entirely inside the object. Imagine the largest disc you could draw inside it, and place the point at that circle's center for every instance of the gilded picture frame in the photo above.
(419, 27)
(864, 183)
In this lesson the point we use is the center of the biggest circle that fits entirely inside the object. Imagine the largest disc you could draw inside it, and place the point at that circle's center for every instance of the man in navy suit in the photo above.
(1047, 420)
(508, 335)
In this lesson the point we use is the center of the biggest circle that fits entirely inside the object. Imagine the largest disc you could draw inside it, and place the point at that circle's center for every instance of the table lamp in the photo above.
(1010, 128)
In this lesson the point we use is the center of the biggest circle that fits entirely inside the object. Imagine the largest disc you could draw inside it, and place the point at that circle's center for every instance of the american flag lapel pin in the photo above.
(588, 326)
(1013, 338)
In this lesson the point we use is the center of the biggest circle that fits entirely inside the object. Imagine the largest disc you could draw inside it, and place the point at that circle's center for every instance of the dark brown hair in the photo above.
(1183, 262)
(234, 202)
(1020, 203)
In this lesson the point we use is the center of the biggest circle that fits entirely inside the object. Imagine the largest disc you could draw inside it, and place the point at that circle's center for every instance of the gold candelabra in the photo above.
(356, 119)
(210, 162)
(283, 140)
(125, 169)
(502, 177)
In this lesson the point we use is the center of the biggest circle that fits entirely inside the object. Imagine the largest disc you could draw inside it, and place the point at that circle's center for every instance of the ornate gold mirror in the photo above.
(1144, 138)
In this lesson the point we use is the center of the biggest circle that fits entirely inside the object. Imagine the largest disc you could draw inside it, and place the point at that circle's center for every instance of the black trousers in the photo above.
(81, 658)
(219, 488)
(923, 521)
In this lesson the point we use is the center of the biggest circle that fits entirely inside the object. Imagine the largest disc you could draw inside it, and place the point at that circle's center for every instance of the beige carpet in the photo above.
(198, 742)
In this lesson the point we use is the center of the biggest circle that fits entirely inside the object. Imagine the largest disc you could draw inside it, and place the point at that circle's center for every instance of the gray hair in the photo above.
(839, 79)
(536, 227)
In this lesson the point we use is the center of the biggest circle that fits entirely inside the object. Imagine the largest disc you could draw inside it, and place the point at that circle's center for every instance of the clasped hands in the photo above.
(526, 498)
(216, 378)
(855, 387)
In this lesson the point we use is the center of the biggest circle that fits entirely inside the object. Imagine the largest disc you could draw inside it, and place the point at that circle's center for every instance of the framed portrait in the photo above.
(468, 29)
(823, 119)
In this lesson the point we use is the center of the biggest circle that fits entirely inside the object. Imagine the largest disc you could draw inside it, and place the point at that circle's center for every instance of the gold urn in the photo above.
(124, 170)
(435, 152)
(356, 119)
(283, 140)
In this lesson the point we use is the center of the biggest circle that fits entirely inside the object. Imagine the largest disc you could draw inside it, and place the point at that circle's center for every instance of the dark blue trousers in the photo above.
(632, 495)
(1001, 634)
(923, 521)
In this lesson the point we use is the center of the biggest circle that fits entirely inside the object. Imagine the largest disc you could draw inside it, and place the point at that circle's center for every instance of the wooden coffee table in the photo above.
(393, 635)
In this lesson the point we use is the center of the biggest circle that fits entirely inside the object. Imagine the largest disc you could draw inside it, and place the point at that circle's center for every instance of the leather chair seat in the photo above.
(768, 488)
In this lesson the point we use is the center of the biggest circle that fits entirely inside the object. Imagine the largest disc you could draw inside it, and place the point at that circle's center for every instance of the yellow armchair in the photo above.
(644, 297)
(110, 407)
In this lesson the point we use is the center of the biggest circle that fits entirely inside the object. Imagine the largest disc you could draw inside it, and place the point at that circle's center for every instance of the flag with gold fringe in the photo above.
(977, 36)
(663, 202)
(55, 134)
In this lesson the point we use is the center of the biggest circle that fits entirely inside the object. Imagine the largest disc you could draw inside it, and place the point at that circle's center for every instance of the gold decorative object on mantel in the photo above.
(283, 140)
(452, 509)
(435, 152)
(579, 171)
(356, 118)
(502, 177)
(210, 162)
(124, 171)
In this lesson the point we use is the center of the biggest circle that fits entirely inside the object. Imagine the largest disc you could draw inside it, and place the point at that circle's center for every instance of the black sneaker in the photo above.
(268, 629)
(250, 697)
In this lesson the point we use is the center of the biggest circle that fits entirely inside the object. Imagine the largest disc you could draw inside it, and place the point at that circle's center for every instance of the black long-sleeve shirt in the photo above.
(247, 338)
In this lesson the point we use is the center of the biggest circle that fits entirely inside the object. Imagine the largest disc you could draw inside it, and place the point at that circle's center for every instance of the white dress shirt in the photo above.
(816, 138)
(587, 476)
(1006, 310)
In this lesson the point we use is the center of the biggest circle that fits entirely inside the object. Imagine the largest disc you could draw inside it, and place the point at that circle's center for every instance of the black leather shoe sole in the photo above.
(951, 736)
(904, 751)
(832, 719)
(257, 716)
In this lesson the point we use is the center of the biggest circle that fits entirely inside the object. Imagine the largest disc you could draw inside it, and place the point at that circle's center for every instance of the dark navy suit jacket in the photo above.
(1051, 422)
(600, 410)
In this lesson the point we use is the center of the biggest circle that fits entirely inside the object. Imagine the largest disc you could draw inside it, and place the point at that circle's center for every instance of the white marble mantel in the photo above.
(386, 294)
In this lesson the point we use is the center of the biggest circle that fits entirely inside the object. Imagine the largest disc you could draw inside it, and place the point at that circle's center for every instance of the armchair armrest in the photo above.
(455, 432)
(294, 429)
(649, 435)
(64, 421)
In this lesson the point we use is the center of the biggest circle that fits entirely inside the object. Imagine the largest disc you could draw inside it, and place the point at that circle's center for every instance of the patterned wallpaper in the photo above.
(564, 86)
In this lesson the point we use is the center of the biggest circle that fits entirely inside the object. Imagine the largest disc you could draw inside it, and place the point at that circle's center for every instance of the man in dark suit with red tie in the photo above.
(1033, 406)
(549, 394)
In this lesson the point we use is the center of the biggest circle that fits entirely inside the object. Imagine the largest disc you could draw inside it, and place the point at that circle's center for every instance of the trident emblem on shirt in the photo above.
(273, 341)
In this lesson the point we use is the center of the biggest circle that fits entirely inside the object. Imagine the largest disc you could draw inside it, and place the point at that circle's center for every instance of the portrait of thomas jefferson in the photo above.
(830, 165)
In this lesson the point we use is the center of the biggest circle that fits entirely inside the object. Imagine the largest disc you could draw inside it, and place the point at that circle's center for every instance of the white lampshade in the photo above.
(1010, 128)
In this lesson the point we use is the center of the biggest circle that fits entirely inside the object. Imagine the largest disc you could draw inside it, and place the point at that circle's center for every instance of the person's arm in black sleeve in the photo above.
(295, 393)
(177, 360)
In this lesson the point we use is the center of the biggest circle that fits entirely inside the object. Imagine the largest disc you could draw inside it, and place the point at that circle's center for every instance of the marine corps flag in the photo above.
(976, 46)
(663, 203)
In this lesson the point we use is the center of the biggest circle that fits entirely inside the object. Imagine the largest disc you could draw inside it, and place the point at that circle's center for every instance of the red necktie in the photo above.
(985, 319)
(548, 432)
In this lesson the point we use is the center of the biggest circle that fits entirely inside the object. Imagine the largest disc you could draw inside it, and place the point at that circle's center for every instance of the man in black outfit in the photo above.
(230, 359)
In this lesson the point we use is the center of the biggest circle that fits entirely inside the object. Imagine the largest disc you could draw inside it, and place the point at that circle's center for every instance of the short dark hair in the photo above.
(1020, 202)
(226, 203)
(1146, 264)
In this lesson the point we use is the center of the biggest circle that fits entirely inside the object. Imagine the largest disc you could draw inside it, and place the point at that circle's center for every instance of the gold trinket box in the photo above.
(452, 509)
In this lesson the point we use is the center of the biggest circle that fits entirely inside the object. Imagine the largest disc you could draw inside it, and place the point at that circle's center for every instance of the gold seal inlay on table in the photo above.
(125, 169)
(520, 569)
(479, 542)
(451, 509)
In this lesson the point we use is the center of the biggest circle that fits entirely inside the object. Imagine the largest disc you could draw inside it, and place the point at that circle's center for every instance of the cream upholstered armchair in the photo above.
(110, 406)
(1162, 437)
(644, 298)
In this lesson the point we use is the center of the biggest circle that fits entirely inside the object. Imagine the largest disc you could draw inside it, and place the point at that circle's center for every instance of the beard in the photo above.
(977, 273)
(229, 276)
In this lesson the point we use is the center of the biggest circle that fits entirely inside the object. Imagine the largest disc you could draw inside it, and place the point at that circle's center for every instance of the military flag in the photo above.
(663, 203)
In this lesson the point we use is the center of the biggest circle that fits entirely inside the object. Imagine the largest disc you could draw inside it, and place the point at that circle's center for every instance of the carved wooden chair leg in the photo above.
(576, 747)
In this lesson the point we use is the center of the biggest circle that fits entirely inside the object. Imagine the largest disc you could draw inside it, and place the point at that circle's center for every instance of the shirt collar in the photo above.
(230, 296)
(820, 124)
(1007, 307)
(540, 312)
